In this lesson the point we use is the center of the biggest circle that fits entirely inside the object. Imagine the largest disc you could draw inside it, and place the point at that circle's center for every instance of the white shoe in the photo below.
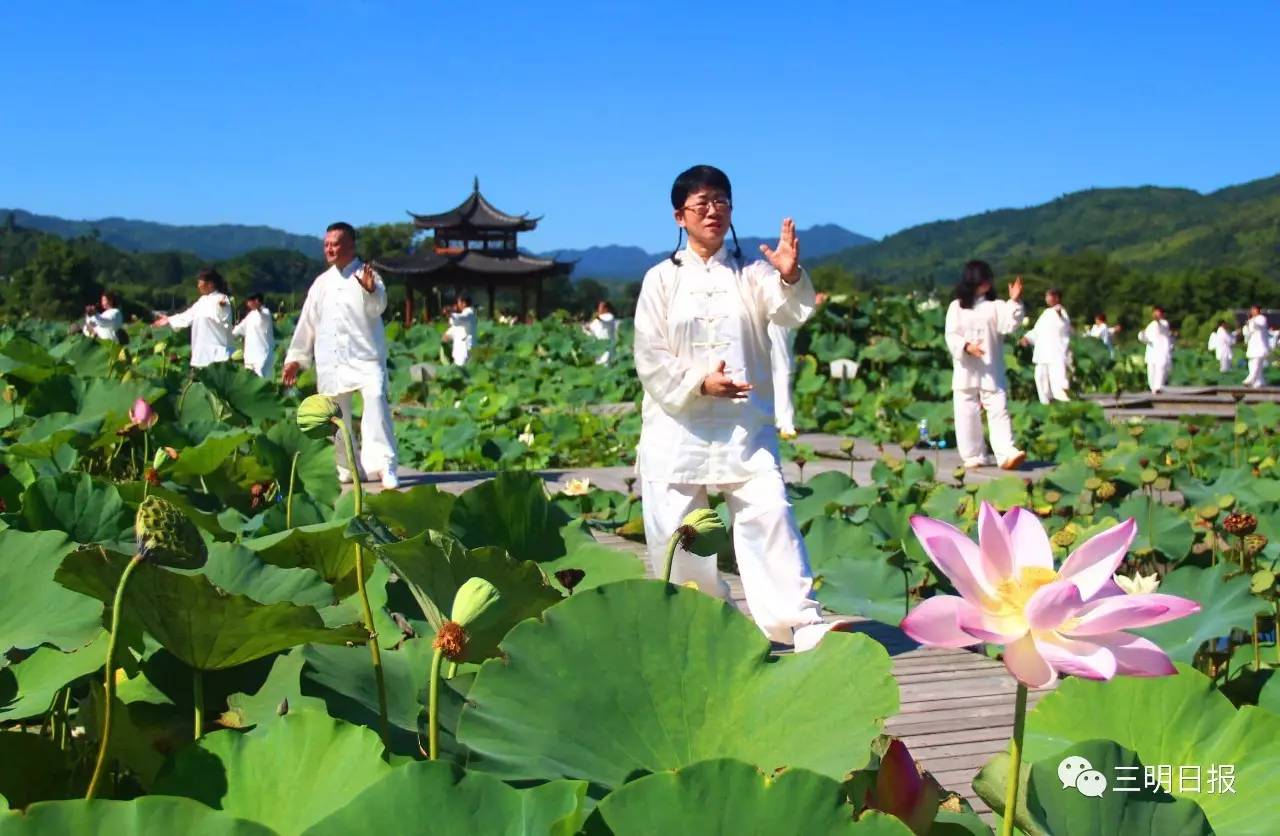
(390, 480)
(808, 636)
(344, 476)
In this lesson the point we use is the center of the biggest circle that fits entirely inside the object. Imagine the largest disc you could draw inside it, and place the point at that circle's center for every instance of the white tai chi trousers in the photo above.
(969, 404)
(1158, 373)
(1051, 381)
(1256, 377)
(1224, 363)
(376, 446)
(770, 552)
(460, 350)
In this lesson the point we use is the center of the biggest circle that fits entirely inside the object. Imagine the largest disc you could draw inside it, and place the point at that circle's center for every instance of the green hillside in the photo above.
(1147, 228)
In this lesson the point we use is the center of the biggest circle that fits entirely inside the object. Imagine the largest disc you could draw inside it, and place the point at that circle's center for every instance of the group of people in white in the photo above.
(1259, 342)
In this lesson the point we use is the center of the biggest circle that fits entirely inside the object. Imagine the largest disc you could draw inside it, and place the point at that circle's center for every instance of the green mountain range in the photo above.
(1147, 228)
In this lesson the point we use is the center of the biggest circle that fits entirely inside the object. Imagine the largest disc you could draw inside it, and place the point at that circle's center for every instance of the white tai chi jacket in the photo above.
(1159, 341)
(1051, 336)
(986, 323)
(604, 327)
(689, 317)
(104, 325)
(1221, 342)
(210, 322)
(341, 327)
(1104, 332)
(462, 333)
(259, 339)
(1258, 338)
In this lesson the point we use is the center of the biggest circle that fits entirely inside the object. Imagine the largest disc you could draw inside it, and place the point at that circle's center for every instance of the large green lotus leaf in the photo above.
(852, 575)
(409, 513)
(350, 610)
(343, 678)
(205, 627)
(1159, 527)
(457, 802)
(47, 434)
(1004, 493)
(810, 500)
(1239, 482)
(286, 775)
(644, 675)
(316, 473)
(240, 571)
(32, 768)
(87, 510)
(278, 695)
(23, 359)
(214, 449)
(1226, 604)
(41, 675)
(1070, 476)
(601, 564)
(252, 397)
(1144, 811)
(513, 513)
(436, 565)
(323, 548)
(33, 609)
(1269, 696)
(726, 797)
(1177, 720)
(145, 816)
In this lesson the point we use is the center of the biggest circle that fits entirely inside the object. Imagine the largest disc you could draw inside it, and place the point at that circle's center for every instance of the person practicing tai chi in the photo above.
(1158, 338)
(782, 341)
(1105, 333)
(976, 325)
(461, 333)
(1257, 347)
(604, 326)
(1221, 343)
(1051, 337)
(104, 320)
(340, 329)
(209, 320)
(258, 332)
(702, 353)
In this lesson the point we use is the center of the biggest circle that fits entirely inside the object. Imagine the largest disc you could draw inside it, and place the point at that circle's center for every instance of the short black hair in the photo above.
(1159, 308)
(699, 177)
(111, 297)
(465, 297)
(213, 277)
(342, 226)
(254, 297)
(1055, 291)
(975, 273)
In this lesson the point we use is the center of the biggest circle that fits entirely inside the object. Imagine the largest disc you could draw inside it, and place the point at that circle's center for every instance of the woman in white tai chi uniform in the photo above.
(461, 333)
(209, 320)
(604, 326)
(258, 332)
(104, 320)
(976, 325)
(702, 354)
(1051, 337)
(1158, 338)
(1257, 347)
(340, 328)
(1100, 330)
(1221, 343)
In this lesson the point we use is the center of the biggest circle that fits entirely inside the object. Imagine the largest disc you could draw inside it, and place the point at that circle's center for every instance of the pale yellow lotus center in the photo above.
(1013, 593)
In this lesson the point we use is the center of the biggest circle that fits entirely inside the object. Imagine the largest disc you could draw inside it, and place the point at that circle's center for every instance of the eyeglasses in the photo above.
(722, 204)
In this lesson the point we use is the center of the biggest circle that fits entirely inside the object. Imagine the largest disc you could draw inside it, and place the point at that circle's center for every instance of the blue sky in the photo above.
(873, 116)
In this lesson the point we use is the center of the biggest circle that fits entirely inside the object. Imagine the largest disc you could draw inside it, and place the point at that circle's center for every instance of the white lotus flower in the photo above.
(1138, 585)
(577, 487)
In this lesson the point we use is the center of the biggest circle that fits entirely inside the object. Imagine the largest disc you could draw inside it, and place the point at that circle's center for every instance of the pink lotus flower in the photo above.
(142, 415)
(1051, 621)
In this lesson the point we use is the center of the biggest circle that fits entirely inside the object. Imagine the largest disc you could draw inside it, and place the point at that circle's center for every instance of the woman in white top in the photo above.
(1221, 342)
(1100, 330)
(702, 355)
(1051, 337)
(258, 333)
(462, 330)
(976, 325)
(104, 321)
(1158, 337)
(1257, 347)
(604, 327)
(209, 320)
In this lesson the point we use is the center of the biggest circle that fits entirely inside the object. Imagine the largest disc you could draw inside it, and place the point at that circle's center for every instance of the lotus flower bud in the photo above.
(702, 532)
(316, 416)
(1240, 524)
(473, 599)
(164, 535)
(901, 790)
(163, 455)
(160, 348)
(142, 415)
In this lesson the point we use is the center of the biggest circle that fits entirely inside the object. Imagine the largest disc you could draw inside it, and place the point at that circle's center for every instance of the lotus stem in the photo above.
(1015, 761)
(671, 556)
(1257, 651)
(288, 504)
(65, 712)
(197, 697)
(375, 652)
(433, 706)
(109, 688)
(146, 458)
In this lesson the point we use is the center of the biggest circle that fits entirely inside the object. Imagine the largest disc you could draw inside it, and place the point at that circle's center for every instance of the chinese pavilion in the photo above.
(475, 247)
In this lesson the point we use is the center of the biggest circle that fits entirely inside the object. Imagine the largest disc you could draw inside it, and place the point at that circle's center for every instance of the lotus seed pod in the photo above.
(1053, 497)
(702, 532)
(1241, 428)
(1092, 483)
(958, 474)
(1254, 543)
(846, 446)
(1262, 581)
(1209, 513)
(1240, 524)
(159, 348)
(1182, 445)
(1162, 483)
(165, 536)
(1148, 475)
(1106, 491)
(1225, 502)
(472, 600)
(1064, 537)
(316, 415)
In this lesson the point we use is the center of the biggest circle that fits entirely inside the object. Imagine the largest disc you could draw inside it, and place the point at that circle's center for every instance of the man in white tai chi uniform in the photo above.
(1158, 337)
(1257, 347)
(1051, 337)
(1221, 342)
(341, 328)
(702, 354)
(258, 333)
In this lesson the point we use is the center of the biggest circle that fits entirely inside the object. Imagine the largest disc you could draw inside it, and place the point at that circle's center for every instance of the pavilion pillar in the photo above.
(524, 303)
(493, 311)
(537, 299)
(408, 303)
